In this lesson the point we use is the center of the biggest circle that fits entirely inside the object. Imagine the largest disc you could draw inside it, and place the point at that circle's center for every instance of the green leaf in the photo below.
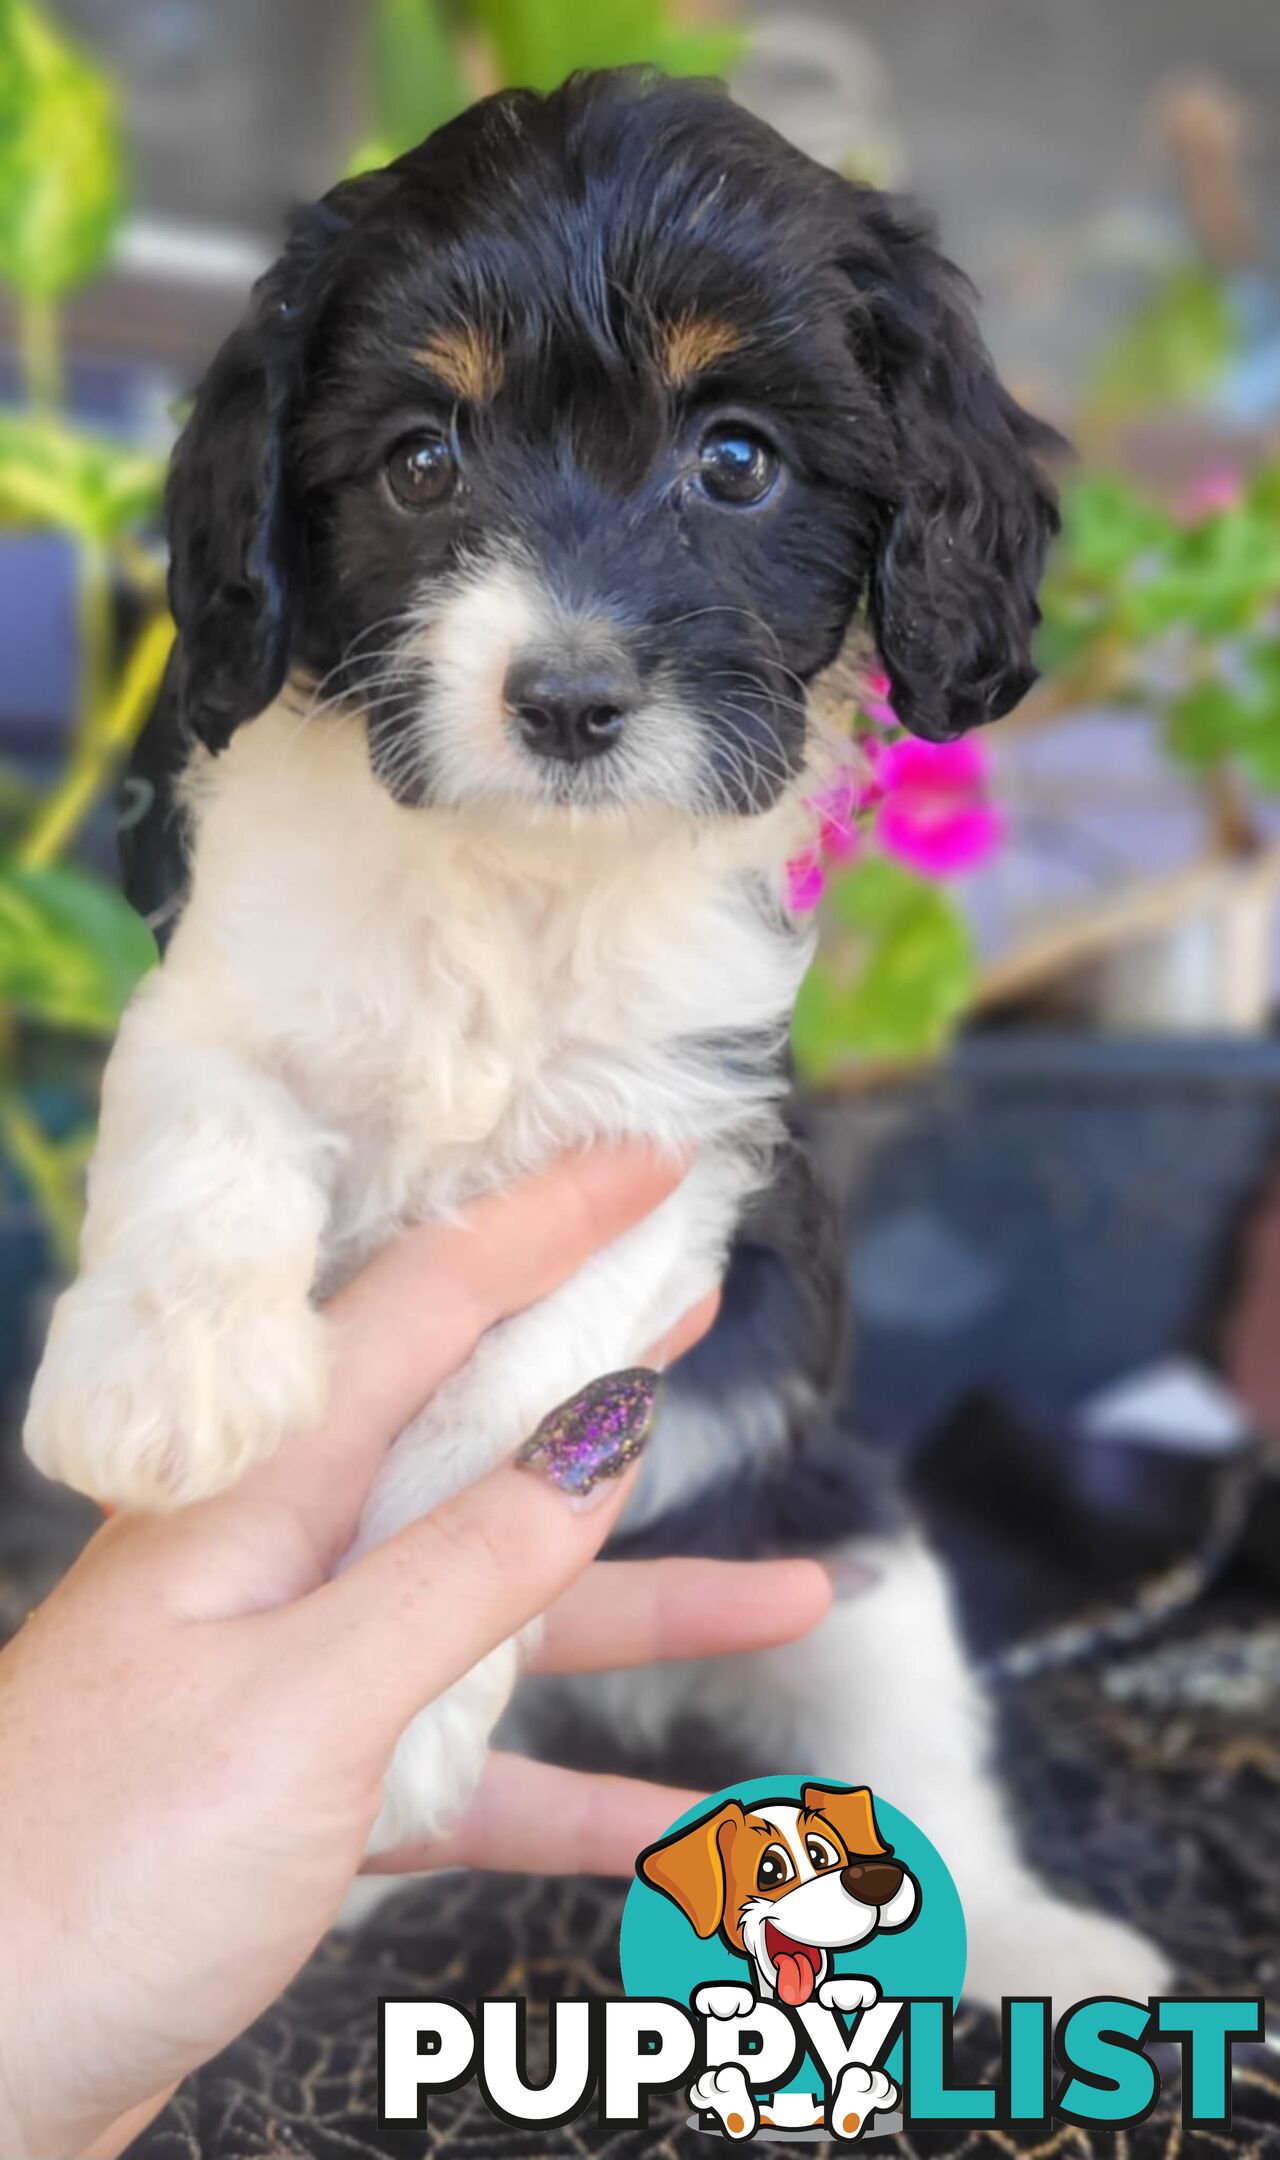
(418, 84)
(1071, 626)
(1216, 577)
(685, 51)
(1206, 723)
(1263, 492)
(61, 164)
(71, 949)
(53, 474)
(537, 43)
(1173, 348)
(1107, 526)
(1216, 721)
(893, 975)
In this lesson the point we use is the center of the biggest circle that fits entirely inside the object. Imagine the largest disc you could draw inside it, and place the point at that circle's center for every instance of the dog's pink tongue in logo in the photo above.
(796, 1965)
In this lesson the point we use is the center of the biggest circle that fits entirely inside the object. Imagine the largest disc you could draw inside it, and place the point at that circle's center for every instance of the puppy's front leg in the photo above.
(188, 1346)
(607, 1317)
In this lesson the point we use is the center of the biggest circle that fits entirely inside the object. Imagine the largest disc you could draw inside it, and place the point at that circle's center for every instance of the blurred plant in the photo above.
(1168, 606)
(1171, 607)
(432, 57)
(1175, 607)
(70, 948)
(895, 966)
(1174, 348)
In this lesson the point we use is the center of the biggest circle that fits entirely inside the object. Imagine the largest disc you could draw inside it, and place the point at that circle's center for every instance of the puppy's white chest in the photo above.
(453, 1005)
(561, 1023)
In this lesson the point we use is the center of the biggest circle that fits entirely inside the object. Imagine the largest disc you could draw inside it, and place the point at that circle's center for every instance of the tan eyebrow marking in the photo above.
(465, 362)
(694, 343)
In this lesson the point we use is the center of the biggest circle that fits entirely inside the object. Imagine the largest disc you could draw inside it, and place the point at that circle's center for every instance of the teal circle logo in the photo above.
(786, 1885)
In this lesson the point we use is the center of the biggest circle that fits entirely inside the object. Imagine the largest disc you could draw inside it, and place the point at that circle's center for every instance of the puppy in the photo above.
(519, 536)
(784, 1886)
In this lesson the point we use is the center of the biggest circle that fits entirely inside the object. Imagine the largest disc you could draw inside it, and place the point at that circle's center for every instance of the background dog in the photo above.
(519, 536)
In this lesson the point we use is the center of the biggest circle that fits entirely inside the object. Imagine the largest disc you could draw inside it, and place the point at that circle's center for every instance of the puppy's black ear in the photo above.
(968, 511)
(232, 536)
(230, 546)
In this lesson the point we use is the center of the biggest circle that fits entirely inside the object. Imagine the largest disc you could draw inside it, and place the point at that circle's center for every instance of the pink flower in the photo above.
(1217, 487)
(806, 882)
(936, 814)
(838, 807)
(874, 702)
(855, 790)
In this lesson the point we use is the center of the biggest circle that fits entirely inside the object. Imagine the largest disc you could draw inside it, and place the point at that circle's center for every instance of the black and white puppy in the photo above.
(517, 535)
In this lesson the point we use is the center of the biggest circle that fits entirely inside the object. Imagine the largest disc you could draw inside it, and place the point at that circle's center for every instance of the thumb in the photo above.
(413, 1615)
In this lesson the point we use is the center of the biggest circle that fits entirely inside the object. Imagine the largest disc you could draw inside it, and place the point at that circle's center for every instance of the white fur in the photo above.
(368, 1015)
(469, 633)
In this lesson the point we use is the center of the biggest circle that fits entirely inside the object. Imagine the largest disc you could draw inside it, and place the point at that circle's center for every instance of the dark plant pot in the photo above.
(25, 1280)
(1042, 1214)
(39, 638)
(62, 1090)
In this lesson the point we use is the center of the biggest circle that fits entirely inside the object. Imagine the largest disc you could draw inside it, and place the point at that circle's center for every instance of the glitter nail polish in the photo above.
(590, 1439)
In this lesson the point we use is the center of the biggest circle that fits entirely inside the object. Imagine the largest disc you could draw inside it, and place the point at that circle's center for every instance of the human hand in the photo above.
(194, 1727)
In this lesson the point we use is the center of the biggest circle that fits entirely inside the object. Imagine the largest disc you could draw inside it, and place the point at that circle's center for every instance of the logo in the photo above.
(792, 1953)
(780, 1911)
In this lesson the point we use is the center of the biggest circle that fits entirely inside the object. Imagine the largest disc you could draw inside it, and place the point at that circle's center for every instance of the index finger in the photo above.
(417, 1311)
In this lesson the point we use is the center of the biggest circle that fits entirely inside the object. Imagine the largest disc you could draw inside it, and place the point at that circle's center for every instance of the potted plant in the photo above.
(70, 949)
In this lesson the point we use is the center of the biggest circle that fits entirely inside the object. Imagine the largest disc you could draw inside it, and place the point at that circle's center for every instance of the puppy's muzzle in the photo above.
(568, 709)
(872, 1882)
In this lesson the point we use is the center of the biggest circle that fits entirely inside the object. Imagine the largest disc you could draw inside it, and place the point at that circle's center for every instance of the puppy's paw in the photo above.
(1035, 1944)
(726, 2094)
(141, 1404)
(848, 1991)
(860, 2093)
(724, 1999)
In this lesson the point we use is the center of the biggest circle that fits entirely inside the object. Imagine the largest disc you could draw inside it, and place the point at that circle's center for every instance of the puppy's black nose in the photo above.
(872, 1882)
(567, 708)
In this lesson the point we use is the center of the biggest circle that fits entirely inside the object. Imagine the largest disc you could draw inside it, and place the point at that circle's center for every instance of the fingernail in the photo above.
(591, 1438)
(849, 1577)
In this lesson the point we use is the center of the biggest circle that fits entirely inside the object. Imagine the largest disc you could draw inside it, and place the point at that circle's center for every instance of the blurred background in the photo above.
(1039, 1036)
(1038, 1044)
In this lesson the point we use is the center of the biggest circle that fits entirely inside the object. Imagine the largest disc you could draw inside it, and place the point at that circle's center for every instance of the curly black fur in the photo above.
(567, 227)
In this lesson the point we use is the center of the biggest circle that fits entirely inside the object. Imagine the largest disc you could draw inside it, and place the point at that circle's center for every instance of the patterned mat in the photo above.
(1147, 1781)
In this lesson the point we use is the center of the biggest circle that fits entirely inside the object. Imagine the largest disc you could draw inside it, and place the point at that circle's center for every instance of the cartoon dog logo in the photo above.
(785, 1886)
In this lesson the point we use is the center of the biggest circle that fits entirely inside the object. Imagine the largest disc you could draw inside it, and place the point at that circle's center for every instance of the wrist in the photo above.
(15, 2139)
(28, 2140)
(38, 2119)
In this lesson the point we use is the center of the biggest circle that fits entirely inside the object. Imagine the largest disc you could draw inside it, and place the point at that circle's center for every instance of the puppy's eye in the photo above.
(736, 466)
(821, 1854)
(774, 1868)
(421, 471)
